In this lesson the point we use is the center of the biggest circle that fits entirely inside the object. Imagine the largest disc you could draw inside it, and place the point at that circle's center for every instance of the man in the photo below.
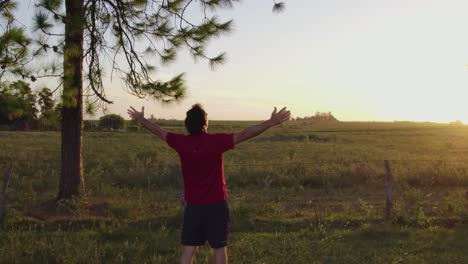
(206, 215)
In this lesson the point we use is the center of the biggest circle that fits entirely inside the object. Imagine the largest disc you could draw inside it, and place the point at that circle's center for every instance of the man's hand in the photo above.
(279, 117)
(253, 131)
(153, 127)
(135, 115)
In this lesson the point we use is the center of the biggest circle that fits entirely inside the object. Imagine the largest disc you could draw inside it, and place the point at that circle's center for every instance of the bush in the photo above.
(90, 125)
(112, 121)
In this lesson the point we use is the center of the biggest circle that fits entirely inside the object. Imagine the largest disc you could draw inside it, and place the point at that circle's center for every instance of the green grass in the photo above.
(365, 244)
(299, 194)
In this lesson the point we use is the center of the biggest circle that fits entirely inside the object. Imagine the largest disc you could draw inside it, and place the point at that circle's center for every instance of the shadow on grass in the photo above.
(238, 224)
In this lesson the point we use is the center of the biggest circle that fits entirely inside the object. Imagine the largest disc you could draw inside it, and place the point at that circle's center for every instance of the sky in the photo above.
(362, 60)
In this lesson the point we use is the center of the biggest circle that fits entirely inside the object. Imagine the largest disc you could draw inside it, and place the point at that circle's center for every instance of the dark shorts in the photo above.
(206, 222)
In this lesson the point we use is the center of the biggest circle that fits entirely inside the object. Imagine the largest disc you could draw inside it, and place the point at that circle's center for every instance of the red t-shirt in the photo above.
(201, 158)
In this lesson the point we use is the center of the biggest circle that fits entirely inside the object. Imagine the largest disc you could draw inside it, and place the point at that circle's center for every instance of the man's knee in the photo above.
(187, 254)
(189, 250)
(220, 249)
(220, 255)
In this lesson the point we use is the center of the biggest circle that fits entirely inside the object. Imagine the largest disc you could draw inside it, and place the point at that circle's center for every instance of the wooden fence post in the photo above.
(388, 190)
(6, 180)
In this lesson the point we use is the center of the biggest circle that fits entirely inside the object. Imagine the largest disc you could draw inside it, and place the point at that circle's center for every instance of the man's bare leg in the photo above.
(220, 255)
(187, 255)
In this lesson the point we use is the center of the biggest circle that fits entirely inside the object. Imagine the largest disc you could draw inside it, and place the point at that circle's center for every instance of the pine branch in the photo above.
(278, 7)
(4, 3)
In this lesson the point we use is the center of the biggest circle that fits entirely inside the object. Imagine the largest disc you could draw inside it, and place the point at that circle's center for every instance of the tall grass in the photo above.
(299, 194)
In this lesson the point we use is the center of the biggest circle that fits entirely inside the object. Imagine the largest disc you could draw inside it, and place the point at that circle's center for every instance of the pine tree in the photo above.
(13, 41)
(90, 34)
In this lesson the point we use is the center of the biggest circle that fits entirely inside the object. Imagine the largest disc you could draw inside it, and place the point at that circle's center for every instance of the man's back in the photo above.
(201, 158)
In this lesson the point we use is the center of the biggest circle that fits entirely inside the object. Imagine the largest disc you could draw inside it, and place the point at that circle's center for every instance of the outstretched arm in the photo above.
(152, 127)
(253, 131)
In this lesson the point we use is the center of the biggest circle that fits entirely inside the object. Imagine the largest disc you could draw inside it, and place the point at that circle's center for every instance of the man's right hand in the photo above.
(279, 117)
(135, 115)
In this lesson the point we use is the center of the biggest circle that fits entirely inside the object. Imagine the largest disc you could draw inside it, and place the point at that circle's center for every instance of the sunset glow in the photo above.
(361, 60)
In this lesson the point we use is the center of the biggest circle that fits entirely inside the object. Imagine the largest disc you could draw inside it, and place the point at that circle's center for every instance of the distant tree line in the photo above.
(318, 117)
(23, 109)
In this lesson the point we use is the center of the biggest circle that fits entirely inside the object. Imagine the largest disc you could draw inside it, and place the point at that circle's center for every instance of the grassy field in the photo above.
(298, 194)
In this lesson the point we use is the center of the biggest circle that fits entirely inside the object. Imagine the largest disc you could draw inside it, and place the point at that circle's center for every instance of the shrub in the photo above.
(90, 125)
(112, 121)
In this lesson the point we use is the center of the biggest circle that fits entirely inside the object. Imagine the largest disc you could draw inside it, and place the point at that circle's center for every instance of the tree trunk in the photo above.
(71, 178)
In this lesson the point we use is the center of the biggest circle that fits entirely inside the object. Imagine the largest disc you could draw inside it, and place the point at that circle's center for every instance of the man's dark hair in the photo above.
(196, 119)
